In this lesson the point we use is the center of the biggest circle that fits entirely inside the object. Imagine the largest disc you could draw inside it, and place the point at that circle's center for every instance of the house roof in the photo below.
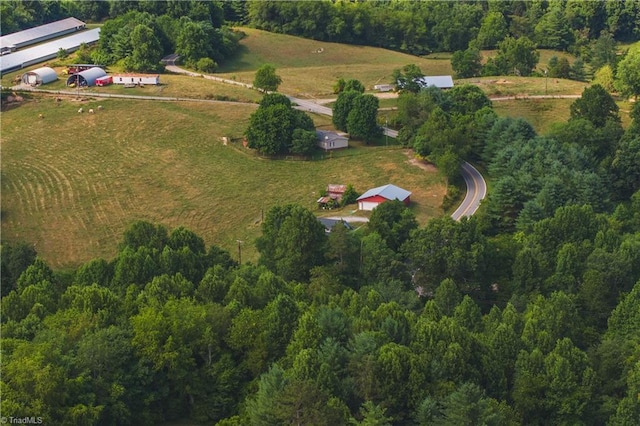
(330, 136)
(440, 81)
(30, 35)
(390, 192)
(330, 223)
(332, 187)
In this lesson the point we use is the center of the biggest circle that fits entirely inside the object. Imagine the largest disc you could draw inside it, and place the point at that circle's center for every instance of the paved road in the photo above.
(476, 186)
(476, 191)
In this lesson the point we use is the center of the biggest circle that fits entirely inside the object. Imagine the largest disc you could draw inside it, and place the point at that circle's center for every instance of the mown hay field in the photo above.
(72, 183)
(310, 68)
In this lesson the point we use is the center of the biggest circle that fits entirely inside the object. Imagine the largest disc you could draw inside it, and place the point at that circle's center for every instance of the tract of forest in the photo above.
(72, 183)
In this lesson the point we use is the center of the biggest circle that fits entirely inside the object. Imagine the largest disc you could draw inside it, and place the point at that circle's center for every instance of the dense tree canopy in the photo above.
(278, 128)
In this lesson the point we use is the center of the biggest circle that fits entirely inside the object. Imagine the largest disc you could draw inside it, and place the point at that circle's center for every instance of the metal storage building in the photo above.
(46, 51)
(440, 81)
(41, 33)
(376, 196)
(38, 76)
(86, 77)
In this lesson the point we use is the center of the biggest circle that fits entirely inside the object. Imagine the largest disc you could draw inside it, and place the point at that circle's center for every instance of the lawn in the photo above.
(72, 183)
(525, 86)
(541, 113)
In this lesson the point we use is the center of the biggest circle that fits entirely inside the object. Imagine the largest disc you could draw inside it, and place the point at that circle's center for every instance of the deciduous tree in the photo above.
(628, 74)
(266, 78)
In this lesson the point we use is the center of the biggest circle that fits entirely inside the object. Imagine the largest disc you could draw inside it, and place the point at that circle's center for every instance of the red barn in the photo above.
(373, 197)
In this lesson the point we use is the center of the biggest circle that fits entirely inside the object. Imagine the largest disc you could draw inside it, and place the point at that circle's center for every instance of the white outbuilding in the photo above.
(136, 79)
(39, 76)
(331, 140)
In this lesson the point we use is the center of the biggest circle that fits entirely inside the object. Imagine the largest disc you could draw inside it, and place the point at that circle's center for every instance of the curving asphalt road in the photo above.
(476, 191)
(476, 186)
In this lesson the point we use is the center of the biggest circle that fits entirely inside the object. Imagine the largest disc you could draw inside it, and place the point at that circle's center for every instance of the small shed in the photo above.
(376, 196)
(86, 77)
(332, 140)
(39, 76)
(383, 87)
(138, 79)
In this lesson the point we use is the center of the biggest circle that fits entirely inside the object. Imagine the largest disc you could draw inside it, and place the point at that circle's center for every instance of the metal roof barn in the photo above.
(373, 197)
(86, 77)
(42, 75)
(44, 32)
(46, 51)
(440, 81)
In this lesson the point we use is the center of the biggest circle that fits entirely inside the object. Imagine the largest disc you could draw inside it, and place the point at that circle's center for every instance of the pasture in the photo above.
(72, 183)
(310, 68)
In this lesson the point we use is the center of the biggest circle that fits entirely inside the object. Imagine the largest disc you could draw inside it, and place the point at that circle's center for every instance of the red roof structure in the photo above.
(376, 196)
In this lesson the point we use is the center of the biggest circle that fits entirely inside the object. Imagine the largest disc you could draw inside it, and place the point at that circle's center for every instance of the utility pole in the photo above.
(386, 126)
(545, 81)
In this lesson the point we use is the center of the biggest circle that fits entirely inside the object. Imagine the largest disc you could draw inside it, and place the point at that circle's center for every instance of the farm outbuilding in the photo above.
(20, 39)
(440, 81)
(153, 79)
(384, 87)
(86, 77)
(376, 196)
(331, 140)
(45, 51)
(39, 76)
(104, 81)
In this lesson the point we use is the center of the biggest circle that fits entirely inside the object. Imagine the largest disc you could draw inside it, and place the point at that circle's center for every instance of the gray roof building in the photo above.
(86, 77)
(330, 223)
(46, 51)
(440, 81)
(42, 75)
(40, 33)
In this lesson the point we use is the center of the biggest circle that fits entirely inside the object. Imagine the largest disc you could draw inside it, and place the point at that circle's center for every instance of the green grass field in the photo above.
(72, 183)
(310, 68)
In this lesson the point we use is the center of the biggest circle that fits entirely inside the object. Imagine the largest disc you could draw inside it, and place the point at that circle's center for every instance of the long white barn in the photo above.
(20, 39)
(46, 51)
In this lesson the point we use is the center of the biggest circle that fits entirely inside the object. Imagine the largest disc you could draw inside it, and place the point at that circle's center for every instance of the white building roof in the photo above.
(46, 74)
(45, 51)
(440, 81)
(390, 192)
(330, 136)
(25, 37)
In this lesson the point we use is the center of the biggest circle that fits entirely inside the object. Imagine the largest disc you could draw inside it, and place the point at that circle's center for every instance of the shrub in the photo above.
(206, 65)
(350, 195)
